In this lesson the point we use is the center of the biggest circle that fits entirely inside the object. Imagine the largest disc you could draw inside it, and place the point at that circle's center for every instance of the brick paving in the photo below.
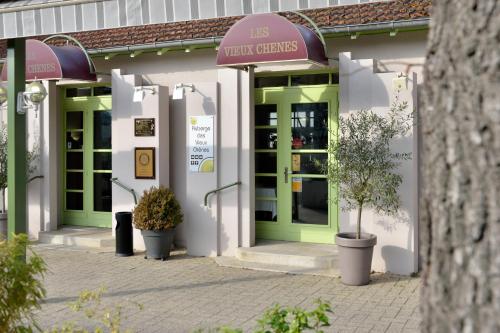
(186, 293)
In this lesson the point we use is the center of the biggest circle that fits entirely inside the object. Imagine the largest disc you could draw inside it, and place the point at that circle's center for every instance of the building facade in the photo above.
(162, 112)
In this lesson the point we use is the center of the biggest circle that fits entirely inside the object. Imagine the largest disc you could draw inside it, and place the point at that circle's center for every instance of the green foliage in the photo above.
(20, 288)
(295, 320)
(280, 319)
(364, 164)
(101, 318)
(158, 209)
(31, 157)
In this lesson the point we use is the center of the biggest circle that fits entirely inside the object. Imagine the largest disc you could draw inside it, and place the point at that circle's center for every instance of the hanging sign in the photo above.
(201, 144)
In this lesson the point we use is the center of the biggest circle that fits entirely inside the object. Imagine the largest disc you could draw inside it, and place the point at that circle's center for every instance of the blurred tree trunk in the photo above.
(460, 206)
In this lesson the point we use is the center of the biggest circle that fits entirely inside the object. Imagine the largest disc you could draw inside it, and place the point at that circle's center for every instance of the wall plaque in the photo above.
(144, 127)
(145, 163)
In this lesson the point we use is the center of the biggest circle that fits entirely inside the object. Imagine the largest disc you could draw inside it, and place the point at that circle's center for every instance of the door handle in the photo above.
(286, 175)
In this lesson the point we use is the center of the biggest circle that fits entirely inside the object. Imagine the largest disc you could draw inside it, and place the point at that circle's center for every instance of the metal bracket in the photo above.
(219, 189)
(89, 60)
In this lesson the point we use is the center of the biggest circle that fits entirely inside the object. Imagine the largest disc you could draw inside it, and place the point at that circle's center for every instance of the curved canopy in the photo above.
(264, 38)
(47, 62)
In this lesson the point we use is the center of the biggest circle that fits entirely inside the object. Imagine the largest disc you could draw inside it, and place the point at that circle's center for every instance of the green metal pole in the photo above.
(16, 132)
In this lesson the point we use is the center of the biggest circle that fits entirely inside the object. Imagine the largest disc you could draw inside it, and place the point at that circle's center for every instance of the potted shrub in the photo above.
(156, 215)
(30, 165)
(364, 169)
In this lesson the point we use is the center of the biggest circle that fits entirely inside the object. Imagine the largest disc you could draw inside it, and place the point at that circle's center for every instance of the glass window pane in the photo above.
(265, 114)
(74, 180)
(308, 163)
(265, 162)
(102, 129)
(102, 91)
(74, 201)
(78, 92)
(271, 81)
(102, 192)
(266, 138)
(309, 79)
(266, 210)
(335, 78)
(74, 120)
(309, 126)
(74, 160)
(310, 201)
(266, 187)
(74, 140)
(102, 161)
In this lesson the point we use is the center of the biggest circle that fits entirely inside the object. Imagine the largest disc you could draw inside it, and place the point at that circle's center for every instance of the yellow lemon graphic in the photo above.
(207, 165)
(193, 121)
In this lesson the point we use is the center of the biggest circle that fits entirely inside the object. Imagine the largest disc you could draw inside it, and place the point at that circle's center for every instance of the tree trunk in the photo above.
(460, 214)
(358, 224)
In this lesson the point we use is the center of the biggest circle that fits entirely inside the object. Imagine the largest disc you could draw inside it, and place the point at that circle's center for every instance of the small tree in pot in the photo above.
(156, 215)
(364, 168)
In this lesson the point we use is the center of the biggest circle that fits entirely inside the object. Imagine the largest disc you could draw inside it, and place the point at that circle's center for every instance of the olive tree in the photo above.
(363, 165)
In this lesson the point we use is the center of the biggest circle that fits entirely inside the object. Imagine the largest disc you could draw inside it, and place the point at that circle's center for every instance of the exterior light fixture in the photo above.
(135, 54)
(393, 33)
(3, 96)
(354, 35)
(31, 98)
(179, 90)
(109, 56)
(187, 50)
(140, 92)
(162, 51)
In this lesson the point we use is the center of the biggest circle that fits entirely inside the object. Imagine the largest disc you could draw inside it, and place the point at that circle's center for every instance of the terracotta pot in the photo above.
(355, 257)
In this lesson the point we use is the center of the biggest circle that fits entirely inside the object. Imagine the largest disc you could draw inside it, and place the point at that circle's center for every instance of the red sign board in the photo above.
(46, 62)
(264, 38)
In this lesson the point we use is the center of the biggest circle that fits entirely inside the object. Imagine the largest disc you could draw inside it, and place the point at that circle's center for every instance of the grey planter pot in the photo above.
(158, 243)
(3, 225)
(355, 257)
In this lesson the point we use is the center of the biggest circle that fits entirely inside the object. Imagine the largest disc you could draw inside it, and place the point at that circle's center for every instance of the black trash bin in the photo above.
(124, 234)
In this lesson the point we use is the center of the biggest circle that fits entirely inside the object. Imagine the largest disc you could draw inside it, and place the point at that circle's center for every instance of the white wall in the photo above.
(124, 142)
(362, 88)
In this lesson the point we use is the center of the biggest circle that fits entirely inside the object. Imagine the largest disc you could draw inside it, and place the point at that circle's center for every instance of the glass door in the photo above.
(292, 130)
(87, 161)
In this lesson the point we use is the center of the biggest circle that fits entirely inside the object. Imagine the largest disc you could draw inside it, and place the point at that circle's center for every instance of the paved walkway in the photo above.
(185, 293)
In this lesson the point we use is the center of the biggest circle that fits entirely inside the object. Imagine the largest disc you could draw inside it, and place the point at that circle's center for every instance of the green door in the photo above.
(293, 126)
(87, 161)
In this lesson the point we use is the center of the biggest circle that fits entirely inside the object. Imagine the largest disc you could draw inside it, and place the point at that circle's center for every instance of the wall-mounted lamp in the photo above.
(110, 56)
(187, 50)
(179, 90)
(3, 97)
(393, 33)
(135, 54)
(140, 92)
(31, 98)
(162, 51)
(355, 35)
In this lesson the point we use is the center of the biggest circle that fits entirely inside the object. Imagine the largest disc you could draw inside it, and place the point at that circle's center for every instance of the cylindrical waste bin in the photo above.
(124, 234)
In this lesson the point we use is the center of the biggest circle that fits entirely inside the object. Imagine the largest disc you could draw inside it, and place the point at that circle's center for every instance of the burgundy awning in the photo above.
(264, 38)
(47, 62)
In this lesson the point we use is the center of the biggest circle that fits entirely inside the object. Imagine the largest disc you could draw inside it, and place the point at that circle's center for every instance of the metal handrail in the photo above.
(219, 189)
(126, 188)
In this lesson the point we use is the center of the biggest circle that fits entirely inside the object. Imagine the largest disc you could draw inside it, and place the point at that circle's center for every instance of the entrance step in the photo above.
(79, 236)
(287, 257)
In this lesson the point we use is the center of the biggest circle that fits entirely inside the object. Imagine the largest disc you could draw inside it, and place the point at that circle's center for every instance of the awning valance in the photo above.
(47, 62)
(264, 38)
